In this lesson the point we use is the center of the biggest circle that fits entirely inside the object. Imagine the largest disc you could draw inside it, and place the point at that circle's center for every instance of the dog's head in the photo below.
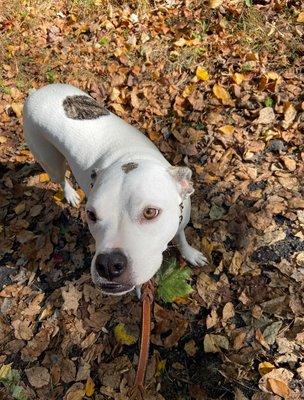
(133, 212)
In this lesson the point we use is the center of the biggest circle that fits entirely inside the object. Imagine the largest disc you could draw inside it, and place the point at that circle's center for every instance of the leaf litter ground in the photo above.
(218, 86)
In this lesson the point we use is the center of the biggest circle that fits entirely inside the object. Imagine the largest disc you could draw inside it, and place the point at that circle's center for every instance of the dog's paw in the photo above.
(71, 196)
(195, 257)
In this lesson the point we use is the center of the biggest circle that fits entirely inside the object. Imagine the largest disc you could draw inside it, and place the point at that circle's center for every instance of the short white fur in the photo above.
(106, 144)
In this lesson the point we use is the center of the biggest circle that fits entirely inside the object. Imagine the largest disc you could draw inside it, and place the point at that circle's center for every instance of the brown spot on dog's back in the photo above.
(129, 167)
(83, 107)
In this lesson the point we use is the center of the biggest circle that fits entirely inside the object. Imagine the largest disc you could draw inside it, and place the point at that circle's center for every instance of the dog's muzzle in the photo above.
(112, 267)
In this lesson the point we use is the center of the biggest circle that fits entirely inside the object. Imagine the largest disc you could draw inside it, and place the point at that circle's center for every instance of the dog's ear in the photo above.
(94, 174)
(182, 177)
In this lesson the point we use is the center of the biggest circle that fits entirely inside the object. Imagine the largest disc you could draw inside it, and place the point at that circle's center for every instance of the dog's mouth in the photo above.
(115, 288)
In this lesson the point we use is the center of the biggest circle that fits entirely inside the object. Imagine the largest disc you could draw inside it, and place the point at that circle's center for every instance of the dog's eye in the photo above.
(150, 213)
(91, 216)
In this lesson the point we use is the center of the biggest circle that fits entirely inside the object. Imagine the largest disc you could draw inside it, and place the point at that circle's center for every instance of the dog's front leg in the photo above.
(188, 252)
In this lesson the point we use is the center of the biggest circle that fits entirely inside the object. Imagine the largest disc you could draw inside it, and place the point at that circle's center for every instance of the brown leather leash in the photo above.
(147, 300)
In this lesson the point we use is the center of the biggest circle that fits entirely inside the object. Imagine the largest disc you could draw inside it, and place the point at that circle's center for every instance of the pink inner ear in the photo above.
(184, 184)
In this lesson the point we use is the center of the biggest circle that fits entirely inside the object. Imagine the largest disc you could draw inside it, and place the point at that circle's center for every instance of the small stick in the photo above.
(147, 300)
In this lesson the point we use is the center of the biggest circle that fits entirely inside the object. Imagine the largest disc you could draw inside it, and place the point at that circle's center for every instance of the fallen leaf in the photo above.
(289, 163)
(122, 336)
(276, 381)
(89, 387)
(227, 129)
(173, 282)
(289, 116)
(38, 376)
(278, 387)
(19, 208)
(238, 78)
(44, 178)
(202, 73)
(301, 17)
(265, 367)
(221, 93)
(17, 108)
(228, 311)
(5, 371)
(71, 297)
(215, 3)
(266, 116)
(191, 348)
(59, 196)
(213, 343)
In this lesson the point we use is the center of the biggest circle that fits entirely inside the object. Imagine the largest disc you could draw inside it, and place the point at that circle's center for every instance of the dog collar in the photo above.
(181, 209)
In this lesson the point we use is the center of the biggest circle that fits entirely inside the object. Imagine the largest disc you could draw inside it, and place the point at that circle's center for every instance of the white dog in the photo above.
(136, 201)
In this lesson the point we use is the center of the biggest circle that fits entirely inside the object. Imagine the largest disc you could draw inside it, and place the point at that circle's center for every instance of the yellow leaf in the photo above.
(89, 387)
(81, 194)
(59, 196)
(265, 367)
(160, 367)
(180, 42)
(122, 336)
(215, 3)
(227, 129)
(3, 139)
(17, 108)
(272, 75)
(73, 18)
(118, 108)
(301, 17)
(5, 371)
(238, 78)
(44, 178)
(187, 91)
(278, 387)
(202, 73)
(221, 93)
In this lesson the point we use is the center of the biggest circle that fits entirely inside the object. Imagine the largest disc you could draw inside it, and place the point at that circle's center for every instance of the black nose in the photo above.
(111, 265)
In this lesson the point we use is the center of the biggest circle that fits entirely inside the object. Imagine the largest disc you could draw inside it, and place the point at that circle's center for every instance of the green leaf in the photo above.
(268, 102)
(104, 41)
(248, 3)
(18, 393)
(216, 212)
(173, 282)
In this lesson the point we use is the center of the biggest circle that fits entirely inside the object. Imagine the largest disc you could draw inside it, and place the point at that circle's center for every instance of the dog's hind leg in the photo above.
(53, 162)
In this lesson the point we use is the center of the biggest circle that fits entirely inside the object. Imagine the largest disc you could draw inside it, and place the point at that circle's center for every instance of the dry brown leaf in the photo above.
(227, 129)
(212, 319)
(71, 297)
(228, 311)
(276, 381)
(239, 340)
(266, 116)
(38, 376)
(215, 3)
(301, 17)
(278, 387)
(213, 343)
(289, 116)
(289, 163)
